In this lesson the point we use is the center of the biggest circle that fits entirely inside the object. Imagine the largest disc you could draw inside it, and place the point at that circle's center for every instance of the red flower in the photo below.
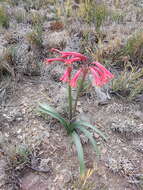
(67, 54)
(66, 61)
(100, 74)
(67, 58)
(70, 61)
(66, 75)
(73, 82)
(97, 78)
(107, 73)
(103, 77)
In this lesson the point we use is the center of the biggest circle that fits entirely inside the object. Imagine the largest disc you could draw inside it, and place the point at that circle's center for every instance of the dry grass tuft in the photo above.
(134, 48)
(128, 83)
(9, 55)
(131, 52)
(37, 4)
(93, 44)
(5, 69)
(35, 18)
(20, 15)
(87, 182)
(91, 12)
(4, 18)
(10, 37)
(84, 182)
(8, 62)
(35, 37)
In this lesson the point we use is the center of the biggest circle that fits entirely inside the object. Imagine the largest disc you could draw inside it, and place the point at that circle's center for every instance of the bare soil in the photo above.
(54, 157)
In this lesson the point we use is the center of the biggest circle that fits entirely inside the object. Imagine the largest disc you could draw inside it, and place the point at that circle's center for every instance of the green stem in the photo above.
(70, 102)
(79, 91)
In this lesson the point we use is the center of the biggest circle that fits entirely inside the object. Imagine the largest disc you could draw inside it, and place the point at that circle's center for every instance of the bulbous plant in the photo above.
(100, 77)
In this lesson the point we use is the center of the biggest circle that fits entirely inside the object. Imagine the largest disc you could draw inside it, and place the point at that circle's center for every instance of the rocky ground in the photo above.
(35, 151)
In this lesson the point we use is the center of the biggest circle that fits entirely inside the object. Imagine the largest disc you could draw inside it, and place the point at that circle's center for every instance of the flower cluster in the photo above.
(100, 74)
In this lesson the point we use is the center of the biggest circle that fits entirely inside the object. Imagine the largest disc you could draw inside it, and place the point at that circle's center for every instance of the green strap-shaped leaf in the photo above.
(90, 137)
(52, 112)
(47, 107)
(54, 115)
(79, 148)
(83, 123)
(73, 125)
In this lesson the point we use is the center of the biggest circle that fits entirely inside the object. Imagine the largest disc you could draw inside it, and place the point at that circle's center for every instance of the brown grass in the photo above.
(128, 83)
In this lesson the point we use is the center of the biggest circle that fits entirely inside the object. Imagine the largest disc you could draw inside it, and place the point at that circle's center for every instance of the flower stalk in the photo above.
(70, 99)
(79, 91)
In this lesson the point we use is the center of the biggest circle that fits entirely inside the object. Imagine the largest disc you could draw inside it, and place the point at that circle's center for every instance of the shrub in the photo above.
(35, 37)
(129, 83)
(134, 48)
(93, 12)
(7, 62)
(20, 15)
(35, 18)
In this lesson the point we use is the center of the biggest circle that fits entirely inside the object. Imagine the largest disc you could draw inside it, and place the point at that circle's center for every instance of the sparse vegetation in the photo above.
(11, 38)
(18, 155)
(92, 12)
(117, 17)
(134, 48)
(36, 18)
(20, 15)
(129, 83)
(37, 4)
(4, 17)
(85, 183)
(35, 37)
(105, 31)
(8, 62)
(9, 55)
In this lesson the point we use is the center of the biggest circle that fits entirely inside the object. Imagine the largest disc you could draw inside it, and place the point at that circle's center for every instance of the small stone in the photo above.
(63, 178)
(102, 103)
(46, 134)
(80, 110)
(33, 181)
(139, 115)
(78, 103)
(6, 135)
(84, 139)
(104, 150)
(41, 127)
(96, 135)
(19, 131)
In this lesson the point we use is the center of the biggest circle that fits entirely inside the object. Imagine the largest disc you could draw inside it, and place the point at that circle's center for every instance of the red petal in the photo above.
(69, 61)
(55, 50)
(53, 59)
(97, 78)
(102, 68)
(66, 75)
(74, 54)
(73, 81)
